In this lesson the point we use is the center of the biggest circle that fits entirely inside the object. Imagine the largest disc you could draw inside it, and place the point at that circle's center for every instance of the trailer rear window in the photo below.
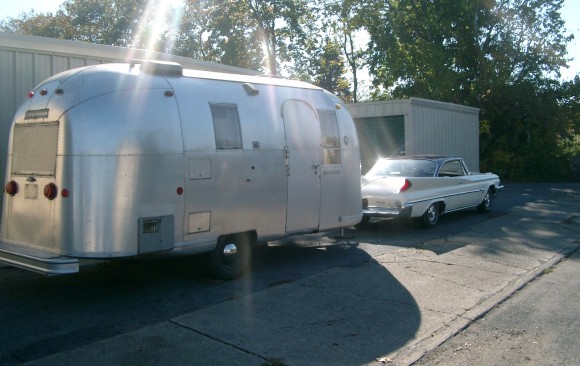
(34, 149)
(226, 123)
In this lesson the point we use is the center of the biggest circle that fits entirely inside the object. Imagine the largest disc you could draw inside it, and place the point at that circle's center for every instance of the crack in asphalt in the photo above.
(216, 339)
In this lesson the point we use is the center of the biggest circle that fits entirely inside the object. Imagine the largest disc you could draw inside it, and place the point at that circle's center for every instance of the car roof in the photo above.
(437, 158)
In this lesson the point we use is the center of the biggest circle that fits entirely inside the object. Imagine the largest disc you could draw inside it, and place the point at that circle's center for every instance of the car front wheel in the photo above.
(430, 217)
(485, 205)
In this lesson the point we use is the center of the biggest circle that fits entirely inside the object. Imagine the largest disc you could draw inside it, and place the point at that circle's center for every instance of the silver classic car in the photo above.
(424, 187)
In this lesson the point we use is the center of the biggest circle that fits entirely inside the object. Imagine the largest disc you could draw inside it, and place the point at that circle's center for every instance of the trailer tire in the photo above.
(231, 256)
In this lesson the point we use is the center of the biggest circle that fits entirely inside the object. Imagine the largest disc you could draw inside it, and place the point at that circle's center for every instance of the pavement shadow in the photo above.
(327, 304)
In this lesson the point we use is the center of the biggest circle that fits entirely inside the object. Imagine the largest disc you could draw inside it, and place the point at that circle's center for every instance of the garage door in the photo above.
(380, 137)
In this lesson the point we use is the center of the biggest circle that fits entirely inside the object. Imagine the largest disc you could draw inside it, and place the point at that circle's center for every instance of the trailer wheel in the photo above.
(231, 256)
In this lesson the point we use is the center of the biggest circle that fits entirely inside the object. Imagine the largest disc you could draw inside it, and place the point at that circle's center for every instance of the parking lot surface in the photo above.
(391, 307)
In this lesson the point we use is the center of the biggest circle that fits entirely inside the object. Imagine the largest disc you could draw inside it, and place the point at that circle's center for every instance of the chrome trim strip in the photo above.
(445, 196)
(379, 211)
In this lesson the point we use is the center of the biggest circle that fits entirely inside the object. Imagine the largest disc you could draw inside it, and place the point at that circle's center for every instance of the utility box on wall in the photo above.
(416, 126)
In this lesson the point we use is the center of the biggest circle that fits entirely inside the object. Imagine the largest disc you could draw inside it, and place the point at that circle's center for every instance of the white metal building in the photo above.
(416, 126)
(25, 61)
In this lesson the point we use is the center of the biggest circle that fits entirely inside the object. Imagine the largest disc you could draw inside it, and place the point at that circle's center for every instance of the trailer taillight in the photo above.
(11, 188)
(50, 191)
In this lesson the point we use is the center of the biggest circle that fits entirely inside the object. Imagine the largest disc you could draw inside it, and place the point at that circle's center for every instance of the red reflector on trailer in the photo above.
(65, 193)
(50, 191)
(11, 188)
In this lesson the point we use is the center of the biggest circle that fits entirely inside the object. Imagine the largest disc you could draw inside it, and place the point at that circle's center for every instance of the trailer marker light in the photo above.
(179, 191)
(50, 191)
(43, 92)
(59, 91)
(168, 93)
(11, 188)
(30, 94)
(64, 193)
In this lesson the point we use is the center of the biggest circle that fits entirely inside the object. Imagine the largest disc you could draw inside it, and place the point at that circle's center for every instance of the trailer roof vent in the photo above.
(250, 89)
(162, 68)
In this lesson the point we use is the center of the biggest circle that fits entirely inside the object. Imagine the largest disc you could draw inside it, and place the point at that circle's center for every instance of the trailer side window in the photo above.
(330, 137)
(226, 125)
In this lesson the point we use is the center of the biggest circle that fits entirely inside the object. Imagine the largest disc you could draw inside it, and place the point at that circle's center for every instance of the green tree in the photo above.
(110, 22)
(233, 40)
(326, 69)
(502, 56)
(343, 19)
(285, 27)
(46, 25)
(188, 38)
(217, 31)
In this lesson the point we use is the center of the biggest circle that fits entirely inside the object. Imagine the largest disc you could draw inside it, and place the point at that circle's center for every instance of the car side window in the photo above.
(452, 168)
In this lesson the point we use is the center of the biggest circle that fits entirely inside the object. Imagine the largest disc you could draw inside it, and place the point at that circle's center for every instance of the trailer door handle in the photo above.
(316, 166)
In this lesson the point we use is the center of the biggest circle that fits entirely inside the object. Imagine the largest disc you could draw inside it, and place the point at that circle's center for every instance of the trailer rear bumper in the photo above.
(37, 260)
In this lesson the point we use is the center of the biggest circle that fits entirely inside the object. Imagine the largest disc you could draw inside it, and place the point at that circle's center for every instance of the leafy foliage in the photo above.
(502, 56)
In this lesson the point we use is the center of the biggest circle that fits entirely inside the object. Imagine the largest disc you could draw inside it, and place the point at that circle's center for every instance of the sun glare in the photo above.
(161, 17)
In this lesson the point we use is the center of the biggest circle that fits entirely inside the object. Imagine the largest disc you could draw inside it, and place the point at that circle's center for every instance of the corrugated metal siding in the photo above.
(379, 109)
(379, 137)
(7, 101)
(443, 129)
(430, 127)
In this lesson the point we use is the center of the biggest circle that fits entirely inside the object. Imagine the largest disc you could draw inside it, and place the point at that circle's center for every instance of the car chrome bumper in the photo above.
(37, 260)
(387, 212)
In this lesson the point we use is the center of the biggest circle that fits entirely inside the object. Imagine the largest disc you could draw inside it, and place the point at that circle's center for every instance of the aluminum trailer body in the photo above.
(120, 160)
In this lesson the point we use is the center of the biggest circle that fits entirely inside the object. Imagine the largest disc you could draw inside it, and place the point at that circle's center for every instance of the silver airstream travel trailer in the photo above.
(120, 160)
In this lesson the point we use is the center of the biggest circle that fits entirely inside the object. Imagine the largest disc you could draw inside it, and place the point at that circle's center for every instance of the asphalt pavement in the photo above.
(539, 325)
(392, 308)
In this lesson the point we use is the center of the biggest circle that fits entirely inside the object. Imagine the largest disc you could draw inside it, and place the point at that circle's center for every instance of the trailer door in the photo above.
(303, 166)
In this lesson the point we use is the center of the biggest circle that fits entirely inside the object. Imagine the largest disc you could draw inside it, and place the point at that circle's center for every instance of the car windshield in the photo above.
(402, 168)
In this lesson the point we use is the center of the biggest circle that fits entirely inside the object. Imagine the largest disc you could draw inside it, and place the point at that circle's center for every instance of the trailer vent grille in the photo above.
(151, 226)
(156, 234)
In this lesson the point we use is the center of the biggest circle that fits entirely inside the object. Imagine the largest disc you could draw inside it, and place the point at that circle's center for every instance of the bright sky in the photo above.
(570, 13)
